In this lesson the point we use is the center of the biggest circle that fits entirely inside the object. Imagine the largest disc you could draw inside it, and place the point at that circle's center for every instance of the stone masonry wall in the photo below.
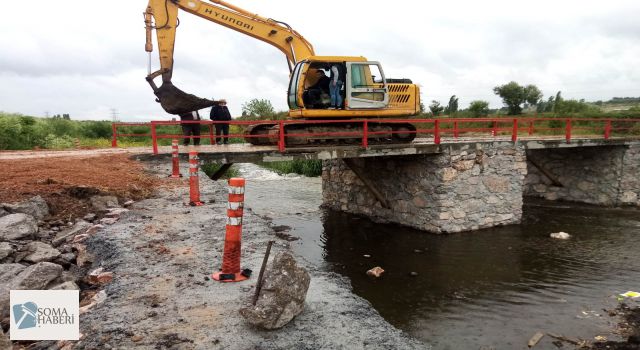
(630, 182)
(605, 175)
(463, 188)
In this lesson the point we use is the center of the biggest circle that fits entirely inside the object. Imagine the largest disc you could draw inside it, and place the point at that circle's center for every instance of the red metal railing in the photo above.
(437, 129)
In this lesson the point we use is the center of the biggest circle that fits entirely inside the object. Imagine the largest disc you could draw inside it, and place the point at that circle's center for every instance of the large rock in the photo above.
(69, 285)
(9, 271)
(35, 206)
(5, 343)
(103, 203)
(282, 295)
(63, 236)
(39, 252)
(8, 274)
(5, 250)
(36, 276)
(3, 212)
(17, 226)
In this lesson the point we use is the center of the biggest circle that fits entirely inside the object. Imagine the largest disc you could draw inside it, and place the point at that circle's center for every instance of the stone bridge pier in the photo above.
(477, 185)
(602, 175)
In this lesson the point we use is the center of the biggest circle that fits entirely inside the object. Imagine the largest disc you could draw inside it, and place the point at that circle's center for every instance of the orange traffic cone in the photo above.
(230, 271)
(175, 160)
(194, 182)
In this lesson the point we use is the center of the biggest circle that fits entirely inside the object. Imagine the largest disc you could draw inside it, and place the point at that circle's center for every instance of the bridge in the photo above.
(457, 175)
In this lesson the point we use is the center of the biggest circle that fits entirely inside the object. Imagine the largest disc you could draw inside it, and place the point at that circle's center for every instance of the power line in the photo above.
(114, 115)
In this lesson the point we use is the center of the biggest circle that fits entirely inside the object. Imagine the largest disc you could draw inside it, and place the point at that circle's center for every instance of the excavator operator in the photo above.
(318, 94)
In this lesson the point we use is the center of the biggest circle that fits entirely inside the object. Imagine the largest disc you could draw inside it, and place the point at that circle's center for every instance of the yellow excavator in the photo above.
(366, 93)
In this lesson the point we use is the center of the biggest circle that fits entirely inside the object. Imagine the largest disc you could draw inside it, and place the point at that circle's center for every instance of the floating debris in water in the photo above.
(630, 294)
(560, 235)
(375, 272)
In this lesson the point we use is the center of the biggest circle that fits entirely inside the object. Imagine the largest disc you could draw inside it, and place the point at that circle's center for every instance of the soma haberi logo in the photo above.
(45, 315)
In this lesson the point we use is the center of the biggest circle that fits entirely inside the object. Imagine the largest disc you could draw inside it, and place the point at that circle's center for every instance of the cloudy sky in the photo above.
(87, 58)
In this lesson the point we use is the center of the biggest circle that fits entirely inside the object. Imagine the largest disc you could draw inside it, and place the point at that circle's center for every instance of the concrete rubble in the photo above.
(64, 235)
(36, 253)
(103, 203)
(39, 252)
(17, 226)
(282, 295)
(35, 206)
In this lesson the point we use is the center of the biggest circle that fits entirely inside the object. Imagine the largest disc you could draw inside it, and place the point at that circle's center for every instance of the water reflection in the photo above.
(496, 286)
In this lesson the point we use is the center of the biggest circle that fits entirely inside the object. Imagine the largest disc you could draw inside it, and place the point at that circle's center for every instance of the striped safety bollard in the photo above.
(194, 182)
(175, 160)
(77, 143)
(231, 271)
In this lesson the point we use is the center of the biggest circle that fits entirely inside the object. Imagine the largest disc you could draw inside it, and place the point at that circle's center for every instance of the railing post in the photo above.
(365, 134)
(607, 129)
(154, 138)
(494, 131)
(530, 127)
(568, 131)
(281, 136)
(514, 134)
(455, 129)
(114, 136)
(436, 132)
(211, 141)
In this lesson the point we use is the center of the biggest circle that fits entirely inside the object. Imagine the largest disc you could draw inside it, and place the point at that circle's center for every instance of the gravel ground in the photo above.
(162, 254)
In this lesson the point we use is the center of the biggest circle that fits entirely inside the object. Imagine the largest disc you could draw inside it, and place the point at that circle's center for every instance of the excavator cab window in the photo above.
(293, 87)
(366, 86)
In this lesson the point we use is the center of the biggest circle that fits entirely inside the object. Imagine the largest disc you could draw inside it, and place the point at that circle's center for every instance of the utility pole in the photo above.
(114, 115)
(46, 114)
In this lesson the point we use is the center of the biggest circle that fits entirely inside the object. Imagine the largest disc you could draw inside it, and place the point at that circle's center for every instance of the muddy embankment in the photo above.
(162, 254)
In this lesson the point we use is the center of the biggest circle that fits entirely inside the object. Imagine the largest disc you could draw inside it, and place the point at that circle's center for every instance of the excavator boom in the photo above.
(164, 14)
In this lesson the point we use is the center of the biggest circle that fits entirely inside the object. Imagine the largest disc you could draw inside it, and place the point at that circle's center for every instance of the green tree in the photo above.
(557, 102)
(479, 108)
(547, 106)
(452, 107)
(513, 96)
(435, 108)
(258, 108)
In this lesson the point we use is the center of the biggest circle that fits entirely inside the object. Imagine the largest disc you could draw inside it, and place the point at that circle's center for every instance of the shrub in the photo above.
(310, 168)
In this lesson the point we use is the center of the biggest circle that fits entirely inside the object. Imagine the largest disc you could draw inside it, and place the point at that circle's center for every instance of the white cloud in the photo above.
(86, 57)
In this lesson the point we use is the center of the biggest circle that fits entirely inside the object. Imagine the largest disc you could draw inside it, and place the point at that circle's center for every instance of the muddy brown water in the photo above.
(493, 288)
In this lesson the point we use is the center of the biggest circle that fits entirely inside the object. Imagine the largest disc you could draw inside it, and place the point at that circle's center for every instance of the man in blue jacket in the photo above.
(220, 112)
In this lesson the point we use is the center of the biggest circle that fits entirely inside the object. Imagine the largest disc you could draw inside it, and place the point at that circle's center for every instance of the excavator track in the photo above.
(327, 134)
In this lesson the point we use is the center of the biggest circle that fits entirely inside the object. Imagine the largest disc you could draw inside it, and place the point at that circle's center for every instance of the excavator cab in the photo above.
(363, 85)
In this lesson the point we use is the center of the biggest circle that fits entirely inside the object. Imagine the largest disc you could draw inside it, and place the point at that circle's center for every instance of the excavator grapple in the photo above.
(176, 101)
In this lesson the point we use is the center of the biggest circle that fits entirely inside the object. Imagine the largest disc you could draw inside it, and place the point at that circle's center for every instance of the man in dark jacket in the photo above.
(191, 128)
(220, 112)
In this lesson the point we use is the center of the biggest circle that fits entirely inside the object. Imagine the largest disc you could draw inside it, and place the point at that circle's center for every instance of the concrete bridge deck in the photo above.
(241, 153)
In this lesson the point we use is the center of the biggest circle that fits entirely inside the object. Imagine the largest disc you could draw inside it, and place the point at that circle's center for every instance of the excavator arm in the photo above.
(162, 15)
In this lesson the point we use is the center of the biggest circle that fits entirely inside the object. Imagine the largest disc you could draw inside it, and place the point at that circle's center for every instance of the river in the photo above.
(491, 288)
